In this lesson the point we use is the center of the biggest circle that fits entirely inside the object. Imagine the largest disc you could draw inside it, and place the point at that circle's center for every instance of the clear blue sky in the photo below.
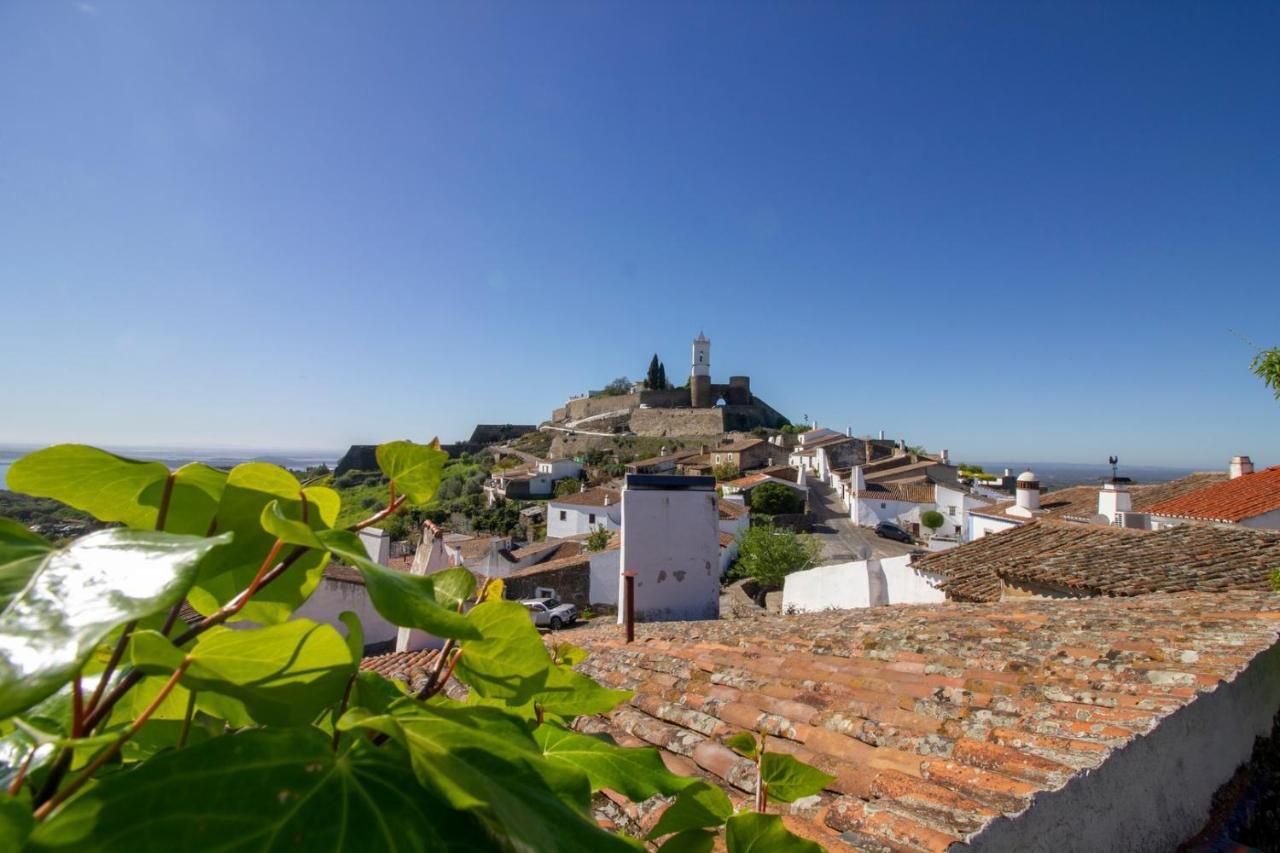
(1013, 230)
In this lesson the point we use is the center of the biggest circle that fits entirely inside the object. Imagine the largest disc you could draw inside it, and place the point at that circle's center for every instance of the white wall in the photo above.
(981, 525)
(861, 583)
(559, 468)
(578, 519)
(671, 540)
(332, 597)
(868, 512)
(1266, 521)
(605, 577)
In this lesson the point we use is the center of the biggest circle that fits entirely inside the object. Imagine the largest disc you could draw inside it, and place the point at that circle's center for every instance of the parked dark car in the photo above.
(889, 530)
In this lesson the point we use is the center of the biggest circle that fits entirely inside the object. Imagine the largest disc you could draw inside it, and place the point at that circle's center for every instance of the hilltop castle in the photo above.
(702, 408)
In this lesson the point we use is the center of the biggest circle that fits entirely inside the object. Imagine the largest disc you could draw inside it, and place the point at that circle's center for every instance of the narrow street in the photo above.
(843, 540)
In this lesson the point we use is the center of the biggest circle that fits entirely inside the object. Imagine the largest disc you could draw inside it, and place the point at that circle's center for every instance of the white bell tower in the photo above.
(701, 356)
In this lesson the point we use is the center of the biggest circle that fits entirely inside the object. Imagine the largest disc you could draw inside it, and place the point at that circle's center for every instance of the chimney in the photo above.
(582, 487)
(607, 501)
(1113, 500)
(858, 481)
(944, 457)
(1240, 465)
(848, 431)
(1027, 495)
(882, 435)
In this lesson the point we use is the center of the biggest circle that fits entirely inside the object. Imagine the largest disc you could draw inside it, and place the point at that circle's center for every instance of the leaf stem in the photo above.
(342, 708)
(77, 707)
(163, 513)
(395, 504)
(106, 755)
(116, 654)
(16, 785)
(186, 719)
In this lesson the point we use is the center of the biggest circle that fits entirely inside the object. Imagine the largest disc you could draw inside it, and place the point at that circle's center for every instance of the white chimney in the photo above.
(848, 431)
(606, 499)
(1240, 465)
(1113, 500)
(1027, 495)
(858, 481)
(882, 435)
(944, 457)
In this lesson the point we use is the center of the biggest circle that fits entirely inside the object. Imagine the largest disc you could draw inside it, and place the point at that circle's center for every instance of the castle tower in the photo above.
(700, 374)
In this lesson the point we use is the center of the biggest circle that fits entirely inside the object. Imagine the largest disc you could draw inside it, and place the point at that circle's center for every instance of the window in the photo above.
(544, 592)
(882, 506)
(951, 511)
(563, 515)
(591, 518)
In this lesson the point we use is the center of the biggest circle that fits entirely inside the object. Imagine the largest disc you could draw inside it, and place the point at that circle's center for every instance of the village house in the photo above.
(792, 478)
(665, 463)
(583, 512)
(1115, 502)
(532, 480)
(1016, 725)
(1246, 498)
(745, 454)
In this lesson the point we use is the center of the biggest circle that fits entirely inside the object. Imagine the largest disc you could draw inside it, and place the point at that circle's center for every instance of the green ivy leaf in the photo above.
(375, 693)
(21, 553)
(638, 774)
(569, 654)
(690, 841)
(789, 779)
(752, 832)
(293, 532)
(699, 806)
(105, 485)
(249, 489)
(571, 694)
(261, 790)
(508, 661)
(355, 635)
(484, 761)
(284, 674)
(414, 469)
(743, 743)
(412, 601)
(16, 823)
(78, 595)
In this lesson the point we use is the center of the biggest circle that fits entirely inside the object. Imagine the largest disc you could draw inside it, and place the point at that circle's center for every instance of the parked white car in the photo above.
(550, 613)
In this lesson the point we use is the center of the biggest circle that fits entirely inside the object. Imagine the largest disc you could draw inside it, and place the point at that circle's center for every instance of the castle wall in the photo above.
(585, 407)
(665, 422)
(666, 399)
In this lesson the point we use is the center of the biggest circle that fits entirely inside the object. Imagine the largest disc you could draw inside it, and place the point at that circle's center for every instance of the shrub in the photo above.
(567, 486)
(725, 472)
(130, 727)
(598, 539)
(768, 554)
(933, 519)
(776, 499)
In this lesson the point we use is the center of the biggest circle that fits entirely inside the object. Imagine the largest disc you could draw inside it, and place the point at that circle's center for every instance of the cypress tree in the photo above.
(654, 375)
(662, 376)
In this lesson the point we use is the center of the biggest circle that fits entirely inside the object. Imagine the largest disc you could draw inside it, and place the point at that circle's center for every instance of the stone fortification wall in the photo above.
(668, 399)
(664, 422)
(585, 407)
(747, 418)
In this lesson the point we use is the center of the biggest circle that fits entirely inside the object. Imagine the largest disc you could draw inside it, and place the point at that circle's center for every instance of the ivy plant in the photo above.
(124, 727)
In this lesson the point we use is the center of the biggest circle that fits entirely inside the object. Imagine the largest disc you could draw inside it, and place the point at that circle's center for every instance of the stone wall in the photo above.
(673, 398)
(572, 583)
(585, 407)
(665, 422)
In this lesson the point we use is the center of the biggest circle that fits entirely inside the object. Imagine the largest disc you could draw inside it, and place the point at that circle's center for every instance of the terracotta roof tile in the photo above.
(1081, 502)
(583, 560)
(1244, 497)
(730, 510)
(1099, 560)
(916, 493)
(591, 497)
(934, 719)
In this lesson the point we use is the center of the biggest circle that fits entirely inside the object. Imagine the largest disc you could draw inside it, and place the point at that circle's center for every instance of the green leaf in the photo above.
(16, 823)
(293, 532)
(106, 486)
(375, 693)
(484, 761)
(690, 841)
(412, 601)
(752, 832)
(259, 790)
(638, 774)
(509, 662)
(355, 635)
(569, 654)
(571, 694)
(78, 595)
(743, 743)
(21, 552)
(414, 469)
(699, 806)
(249, 489)
(284, 674)
(789, 779)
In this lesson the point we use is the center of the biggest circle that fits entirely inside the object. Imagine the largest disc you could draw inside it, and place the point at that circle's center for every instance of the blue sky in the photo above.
(1013, 230)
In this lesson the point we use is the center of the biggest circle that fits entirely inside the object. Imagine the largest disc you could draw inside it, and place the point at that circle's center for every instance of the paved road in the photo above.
(842, 539)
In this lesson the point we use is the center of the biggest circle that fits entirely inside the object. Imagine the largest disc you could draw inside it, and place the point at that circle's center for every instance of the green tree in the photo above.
(768, 554)
(567, 486)
(653, 377)
(598, 539)
(775, 499)
(1266, 366)
(725, 471)
(617, 388)
(932, 519)
(662, 377)
(133, 721)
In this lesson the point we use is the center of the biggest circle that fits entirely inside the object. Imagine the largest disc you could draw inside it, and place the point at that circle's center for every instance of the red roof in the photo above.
(1244, 497)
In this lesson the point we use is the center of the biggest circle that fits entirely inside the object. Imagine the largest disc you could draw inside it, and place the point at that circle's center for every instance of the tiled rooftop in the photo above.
(1231, 500)
(934, 719)
(731, 510)
(591, 497)
(1092, 559)
(1081, 502)
(916, 493)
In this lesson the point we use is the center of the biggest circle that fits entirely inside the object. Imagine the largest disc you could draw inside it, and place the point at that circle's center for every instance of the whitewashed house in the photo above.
(861, 583)
(584, 512)
(671, 541)
(955, 502)
(342, 588)
(1248, 498)
(533, 480)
